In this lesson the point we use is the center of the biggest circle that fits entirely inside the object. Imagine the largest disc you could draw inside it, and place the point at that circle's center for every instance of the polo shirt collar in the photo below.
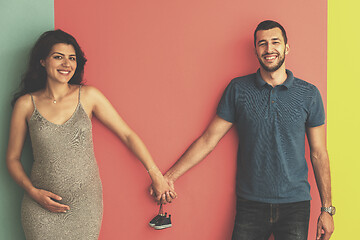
(288, 82)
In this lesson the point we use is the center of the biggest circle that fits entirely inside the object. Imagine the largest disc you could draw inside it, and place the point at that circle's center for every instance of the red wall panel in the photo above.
(164, 65)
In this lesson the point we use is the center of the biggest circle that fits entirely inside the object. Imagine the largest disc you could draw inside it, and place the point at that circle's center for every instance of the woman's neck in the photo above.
(56, 91)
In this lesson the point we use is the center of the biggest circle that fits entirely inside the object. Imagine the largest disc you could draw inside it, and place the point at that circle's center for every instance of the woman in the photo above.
(63, 198)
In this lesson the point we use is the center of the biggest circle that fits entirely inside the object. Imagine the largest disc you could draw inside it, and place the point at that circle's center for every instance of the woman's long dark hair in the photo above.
(35, 76)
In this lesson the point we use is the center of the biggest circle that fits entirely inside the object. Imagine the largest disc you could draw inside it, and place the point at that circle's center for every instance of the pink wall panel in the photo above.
(164, 65)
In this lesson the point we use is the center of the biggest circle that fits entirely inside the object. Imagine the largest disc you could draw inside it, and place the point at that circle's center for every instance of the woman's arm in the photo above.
(107, 114)
(18, 129)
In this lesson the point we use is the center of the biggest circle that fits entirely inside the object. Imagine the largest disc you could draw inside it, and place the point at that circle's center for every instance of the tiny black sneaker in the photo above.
(162, 223)
(155, 219)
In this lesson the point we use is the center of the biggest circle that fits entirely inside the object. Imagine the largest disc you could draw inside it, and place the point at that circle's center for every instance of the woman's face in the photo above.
(60, 64)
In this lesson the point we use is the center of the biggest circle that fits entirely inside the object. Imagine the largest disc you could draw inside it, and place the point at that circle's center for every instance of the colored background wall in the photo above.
(163, 65)
(343, 114)
(21, 23)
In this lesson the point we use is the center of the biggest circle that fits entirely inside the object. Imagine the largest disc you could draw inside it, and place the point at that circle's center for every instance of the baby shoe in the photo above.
(162, 223)
(155, 220)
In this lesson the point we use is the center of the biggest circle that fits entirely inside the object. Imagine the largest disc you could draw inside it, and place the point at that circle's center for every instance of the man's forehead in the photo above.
(270, 34)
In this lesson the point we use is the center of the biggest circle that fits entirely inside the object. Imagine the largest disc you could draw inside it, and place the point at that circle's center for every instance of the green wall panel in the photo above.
(21, 23)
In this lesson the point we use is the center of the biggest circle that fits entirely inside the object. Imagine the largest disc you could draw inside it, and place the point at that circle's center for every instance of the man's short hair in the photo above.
(269, 24)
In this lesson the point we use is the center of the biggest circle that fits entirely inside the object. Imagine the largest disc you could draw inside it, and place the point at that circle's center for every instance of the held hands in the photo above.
(45, 199)
(162, 189)
(325, 226)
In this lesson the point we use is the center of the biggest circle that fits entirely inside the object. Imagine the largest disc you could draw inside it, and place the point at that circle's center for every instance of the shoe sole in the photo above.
(162, 226)
(151, 224)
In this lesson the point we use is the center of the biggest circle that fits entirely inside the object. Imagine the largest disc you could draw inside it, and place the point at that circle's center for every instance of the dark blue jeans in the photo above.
(257, 221)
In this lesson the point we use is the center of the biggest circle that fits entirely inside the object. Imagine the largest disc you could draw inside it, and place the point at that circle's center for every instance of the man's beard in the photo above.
(276, 67)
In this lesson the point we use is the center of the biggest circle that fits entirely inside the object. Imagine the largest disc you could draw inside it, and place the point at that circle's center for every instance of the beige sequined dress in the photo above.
(64, 163)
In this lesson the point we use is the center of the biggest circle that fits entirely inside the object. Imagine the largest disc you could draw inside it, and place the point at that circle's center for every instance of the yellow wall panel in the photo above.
(344, 113)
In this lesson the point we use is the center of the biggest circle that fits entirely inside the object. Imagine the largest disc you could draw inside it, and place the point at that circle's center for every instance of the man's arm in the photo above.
(320, 162)
(199, 149)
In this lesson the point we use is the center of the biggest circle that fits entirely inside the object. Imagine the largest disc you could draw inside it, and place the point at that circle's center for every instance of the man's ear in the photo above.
(287, 49)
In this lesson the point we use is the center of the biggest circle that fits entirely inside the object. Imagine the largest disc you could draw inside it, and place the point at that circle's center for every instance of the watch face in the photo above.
(333, 210)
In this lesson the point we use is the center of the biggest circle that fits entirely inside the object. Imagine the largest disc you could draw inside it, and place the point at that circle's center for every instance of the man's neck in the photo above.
(274, 78)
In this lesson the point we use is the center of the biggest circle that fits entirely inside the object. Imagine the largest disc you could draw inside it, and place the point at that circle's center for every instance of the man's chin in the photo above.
(271, 68)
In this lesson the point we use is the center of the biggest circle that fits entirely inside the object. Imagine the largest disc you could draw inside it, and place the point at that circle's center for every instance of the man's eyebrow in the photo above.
(273, 39)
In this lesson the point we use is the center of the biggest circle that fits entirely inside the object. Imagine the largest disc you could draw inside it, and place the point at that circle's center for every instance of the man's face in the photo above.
(271, 49)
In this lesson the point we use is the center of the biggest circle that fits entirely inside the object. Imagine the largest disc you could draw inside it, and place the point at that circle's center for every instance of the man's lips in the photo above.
(270, 57)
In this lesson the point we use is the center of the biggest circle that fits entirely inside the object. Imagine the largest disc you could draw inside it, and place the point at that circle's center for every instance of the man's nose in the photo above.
(269, 48)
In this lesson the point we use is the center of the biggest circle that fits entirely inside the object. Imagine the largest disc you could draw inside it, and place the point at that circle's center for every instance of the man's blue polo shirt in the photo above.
(271, 124)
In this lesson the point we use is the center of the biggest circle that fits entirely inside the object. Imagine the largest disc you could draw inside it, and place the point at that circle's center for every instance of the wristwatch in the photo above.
(330, 210)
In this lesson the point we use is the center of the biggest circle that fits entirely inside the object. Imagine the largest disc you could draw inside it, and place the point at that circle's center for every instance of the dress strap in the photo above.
(32, 99)
(79, 92)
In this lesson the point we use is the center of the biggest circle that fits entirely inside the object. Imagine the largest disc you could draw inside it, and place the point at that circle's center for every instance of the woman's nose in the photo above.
(66, 62)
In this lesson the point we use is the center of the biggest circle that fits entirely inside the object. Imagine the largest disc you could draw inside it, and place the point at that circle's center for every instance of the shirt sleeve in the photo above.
(227, 105)
(316, 115)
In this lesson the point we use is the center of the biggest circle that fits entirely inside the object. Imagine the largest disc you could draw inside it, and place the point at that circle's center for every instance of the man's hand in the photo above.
(45, 199)
(325, 226)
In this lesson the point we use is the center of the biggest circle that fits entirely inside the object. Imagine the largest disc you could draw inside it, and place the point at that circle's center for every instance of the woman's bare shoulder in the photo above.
(90, 92)
(89, 89)
(24, 105)
(24, 101)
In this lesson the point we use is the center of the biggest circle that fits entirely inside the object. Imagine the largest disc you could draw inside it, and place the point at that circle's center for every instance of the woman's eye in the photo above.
(58, 57)
(72, 58)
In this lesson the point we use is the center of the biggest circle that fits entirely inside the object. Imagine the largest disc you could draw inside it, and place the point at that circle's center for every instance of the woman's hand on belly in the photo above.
(46, 200)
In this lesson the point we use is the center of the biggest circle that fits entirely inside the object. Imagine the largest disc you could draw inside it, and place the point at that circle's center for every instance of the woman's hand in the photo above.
(45, 199)
(162, 190)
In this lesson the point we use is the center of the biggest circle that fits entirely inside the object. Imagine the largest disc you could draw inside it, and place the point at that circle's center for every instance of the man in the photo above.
(272, 111)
